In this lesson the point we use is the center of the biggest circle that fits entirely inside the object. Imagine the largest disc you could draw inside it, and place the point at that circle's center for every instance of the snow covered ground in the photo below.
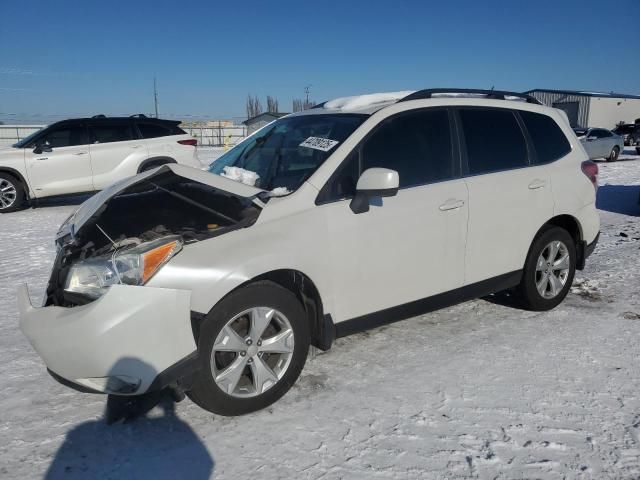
(207, 155)
(479, 390)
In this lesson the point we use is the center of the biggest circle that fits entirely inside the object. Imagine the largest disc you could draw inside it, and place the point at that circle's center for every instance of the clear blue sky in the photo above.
(84, 57)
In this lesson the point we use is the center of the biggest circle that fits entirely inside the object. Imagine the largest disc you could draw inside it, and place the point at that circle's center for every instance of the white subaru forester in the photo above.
(359, 212)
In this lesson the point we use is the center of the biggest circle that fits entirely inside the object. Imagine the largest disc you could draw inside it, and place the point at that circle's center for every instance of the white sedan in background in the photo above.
(600, 143)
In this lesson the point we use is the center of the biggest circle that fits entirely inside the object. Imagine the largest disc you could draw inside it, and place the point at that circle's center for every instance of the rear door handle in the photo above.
(135, 146)
(451, 205)
(80, 153)
(534, 185)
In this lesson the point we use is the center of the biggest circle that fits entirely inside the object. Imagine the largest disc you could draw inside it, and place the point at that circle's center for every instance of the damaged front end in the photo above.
(125, 234)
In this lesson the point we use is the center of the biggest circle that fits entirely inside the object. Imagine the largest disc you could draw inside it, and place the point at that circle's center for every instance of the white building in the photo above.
(592, 109)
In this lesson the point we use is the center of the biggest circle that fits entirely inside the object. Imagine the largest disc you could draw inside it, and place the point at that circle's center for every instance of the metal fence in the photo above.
(10, 134)
(210, 136)
(217, 136)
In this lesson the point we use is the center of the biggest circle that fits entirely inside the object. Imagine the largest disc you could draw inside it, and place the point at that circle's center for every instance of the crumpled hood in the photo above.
(87, 210)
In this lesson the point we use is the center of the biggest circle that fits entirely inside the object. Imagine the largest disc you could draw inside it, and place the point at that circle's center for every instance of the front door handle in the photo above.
(80, 153)
(135, 146)
(535, 184)
(451, 205)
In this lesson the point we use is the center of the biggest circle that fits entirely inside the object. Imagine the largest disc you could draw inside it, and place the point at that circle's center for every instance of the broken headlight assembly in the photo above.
(132, 266)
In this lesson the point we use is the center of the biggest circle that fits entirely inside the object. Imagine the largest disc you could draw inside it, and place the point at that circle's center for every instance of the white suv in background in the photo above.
(360, 212)
(87, 154)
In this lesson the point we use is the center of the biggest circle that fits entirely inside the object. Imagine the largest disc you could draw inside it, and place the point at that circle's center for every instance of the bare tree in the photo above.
(272, 104)
(254, 107)
(299, 105)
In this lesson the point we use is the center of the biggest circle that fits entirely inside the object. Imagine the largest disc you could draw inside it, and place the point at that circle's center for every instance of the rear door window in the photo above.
(494, 140)
(548, 139)
(110, 132)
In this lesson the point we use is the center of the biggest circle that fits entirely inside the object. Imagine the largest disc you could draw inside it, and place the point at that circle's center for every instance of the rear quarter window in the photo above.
(549, 142)
(153, 130)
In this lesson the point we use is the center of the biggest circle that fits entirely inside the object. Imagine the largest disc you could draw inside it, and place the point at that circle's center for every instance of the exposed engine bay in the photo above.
(161, 207)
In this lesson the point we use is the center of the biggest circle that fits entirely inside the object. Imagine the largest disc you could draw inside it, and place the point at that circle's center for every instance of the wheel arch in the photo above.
(320, 324)
(15, 173)
(572, 225)
(155, 162)
(569, 223)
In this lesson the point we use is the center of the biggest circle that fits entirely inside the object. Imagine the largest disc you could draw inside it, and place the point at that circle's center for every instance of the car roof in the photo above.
(372, 102)
(104, 119)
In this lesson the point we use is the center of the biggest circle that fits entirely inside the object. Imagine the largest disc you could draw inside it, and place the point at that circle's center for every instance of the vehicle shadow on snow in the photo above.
(623, 199)
(143, 446)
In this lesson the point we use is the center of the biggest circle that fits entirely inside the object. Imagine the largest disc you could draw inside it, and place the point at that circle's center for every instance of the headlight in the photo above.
(134, 266)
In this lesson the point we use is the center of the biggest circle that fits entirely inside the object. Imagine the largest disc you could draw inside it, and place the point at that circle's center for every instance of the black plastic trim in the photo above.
(591, 247)
(75, 386)
(178, 374)
(584, 250)
(429, 304)
(197, 320)
(492, 94)
(326, 334)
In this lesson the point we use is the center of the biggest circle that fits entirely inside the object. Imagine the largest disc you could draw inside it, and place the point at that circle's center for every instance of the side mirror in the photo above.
(374, 182)
(591, 139)
(42, 147)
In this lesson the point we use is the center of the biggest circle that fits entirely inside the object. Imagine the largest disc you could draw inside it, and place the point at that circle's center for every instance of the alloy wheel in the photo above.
(552, 269)
(8, 193)
(252, 352)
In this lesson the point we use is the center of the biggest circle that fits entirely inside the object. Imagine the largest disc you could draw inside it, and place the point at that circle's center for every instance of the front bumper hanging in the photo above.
(123, 343)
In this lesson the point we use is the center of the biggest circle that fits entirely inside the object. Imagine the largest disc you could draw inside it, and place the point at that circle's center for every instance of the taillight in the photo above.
(590, 169)
(192, 141)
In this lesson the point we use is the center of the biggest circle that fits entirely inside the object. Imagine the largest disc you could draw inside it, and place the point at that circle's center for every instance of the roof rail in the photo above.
(100, 115)
(493, 94)
(138, 115)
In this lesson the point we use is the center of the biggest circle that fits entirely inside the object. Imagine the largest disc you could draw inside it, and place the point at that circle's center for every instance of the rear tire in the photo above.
(231, 340)
(12, 193)
(613, 156)
(549, 270)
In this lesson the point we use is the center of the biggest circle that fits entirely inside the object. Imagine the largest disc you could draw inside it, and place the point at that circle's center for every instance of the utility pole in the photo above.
(306, 92)
(155, 95)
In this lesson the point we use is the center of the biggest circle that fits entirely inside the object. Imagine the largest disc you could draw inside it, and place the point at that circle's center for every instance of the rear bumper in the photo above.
(128, 342)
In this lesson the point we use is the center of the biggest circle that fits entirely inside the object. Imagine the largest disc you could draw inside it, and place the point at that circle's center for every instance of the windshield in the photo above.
(286, 152)
(22, 143)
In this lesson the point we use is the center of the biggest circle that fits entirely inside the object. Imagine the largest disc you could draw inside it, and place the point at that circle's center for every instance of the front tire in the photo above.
(549, 270)
(12, 193)
(252, 348)
(613, 156)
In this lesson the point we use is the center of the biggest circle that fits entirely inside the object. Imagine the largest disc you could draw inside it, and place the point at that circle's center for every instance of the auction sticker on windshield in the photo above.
(317, 143)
